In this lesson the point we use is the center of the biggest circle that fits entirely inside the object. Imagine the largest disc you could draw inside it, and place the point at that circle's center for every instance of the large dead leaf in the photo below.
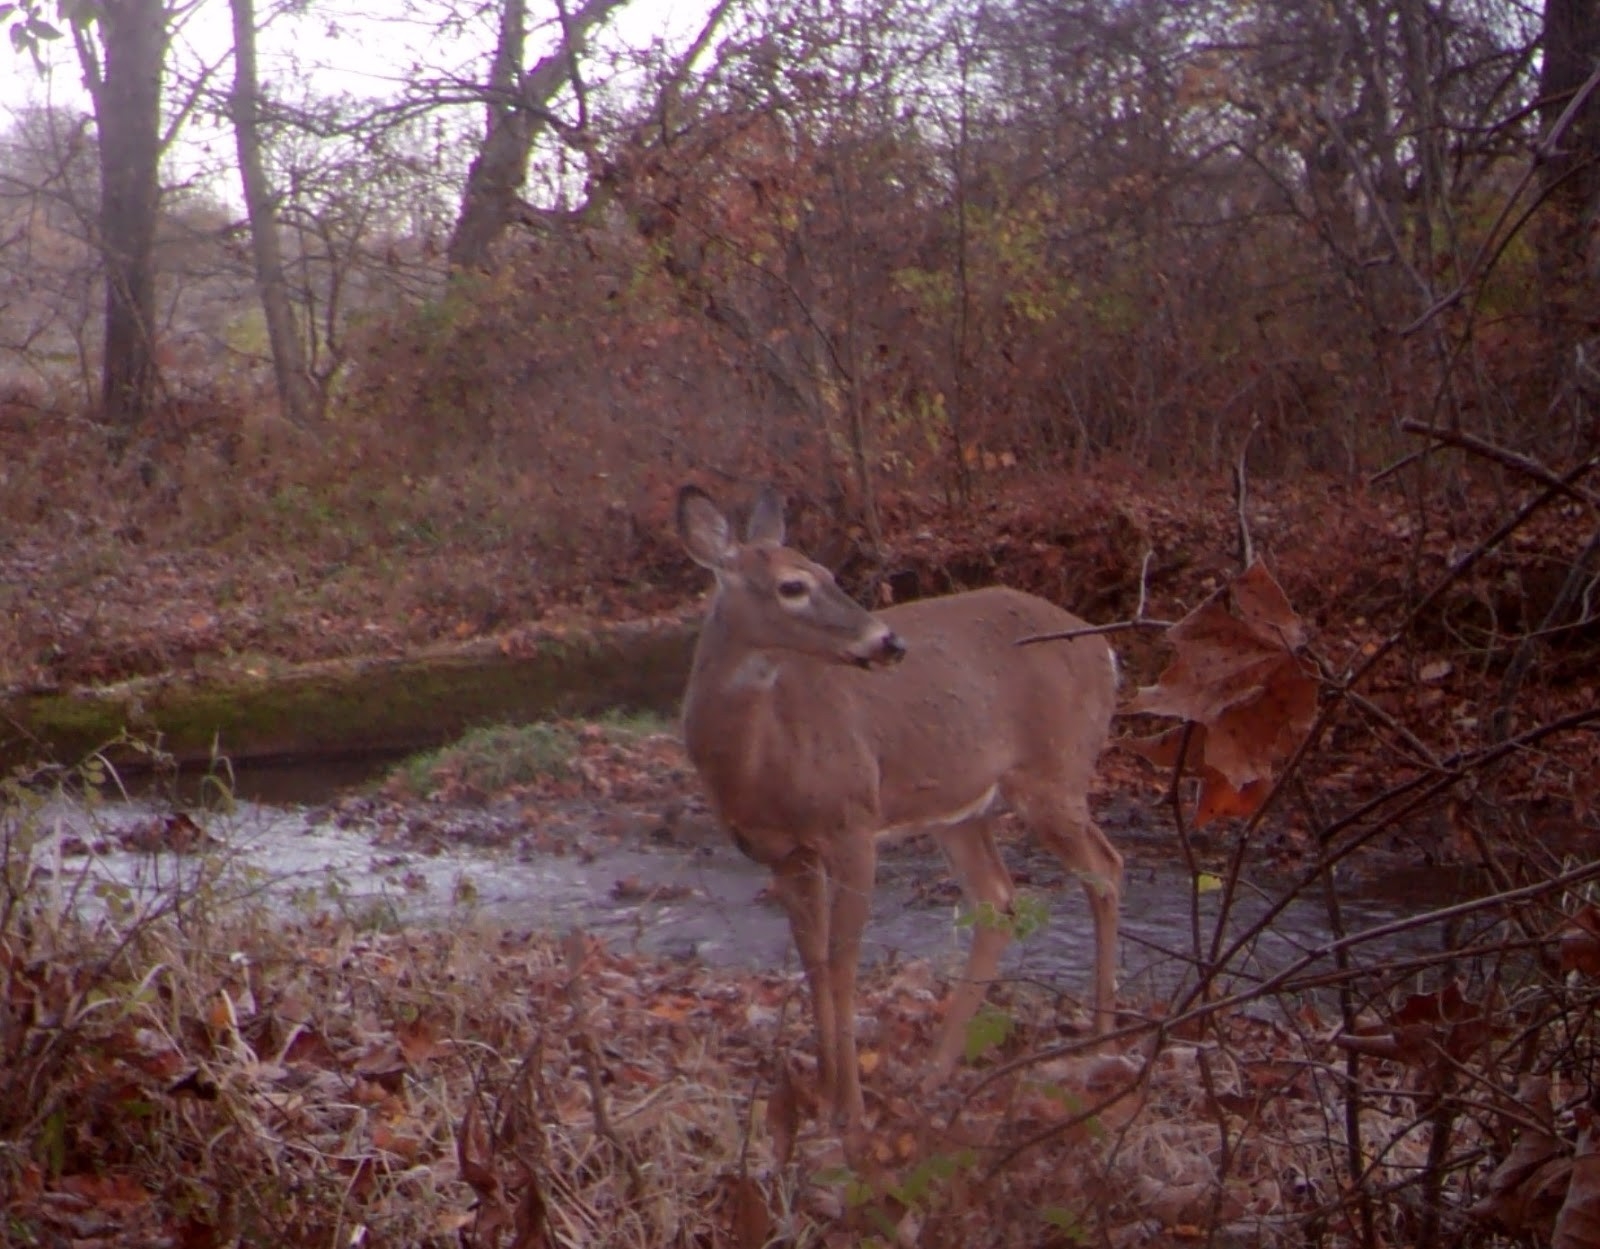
(475, 1156)
(1237, 677)
(1218, 797)
(1525, 1191)
(750, 1220)
(1435, 1030)
(1578, 1223)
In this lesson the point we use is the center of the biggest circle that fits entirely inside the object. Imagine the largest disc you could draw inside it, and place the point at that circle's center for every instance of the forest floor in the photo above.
(91, 597)
(197, 1075)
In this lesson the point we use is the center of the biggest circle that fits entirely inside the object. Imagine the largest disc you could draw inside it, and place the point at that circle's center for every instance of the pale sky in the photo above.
(344, 45)
(337, 48)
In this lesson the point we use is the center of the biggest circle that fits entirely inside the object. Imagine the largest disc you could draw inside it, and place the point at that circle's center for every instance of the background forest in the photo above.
(852, 246)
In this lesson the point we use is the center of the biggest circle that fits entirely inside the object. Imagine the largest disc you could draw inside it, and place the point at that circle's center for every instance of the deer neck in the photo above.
(734, 717)
(730, 690)
(779, 739)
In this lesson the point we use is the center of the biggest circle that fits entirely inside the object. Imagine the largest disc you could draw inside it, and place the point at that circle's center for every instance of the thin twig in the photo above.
(1138, 622)
(1120, 626)
(1144, 583)
(1292, 973)
(1241, 491)
(1389, 470)
(1515, 460)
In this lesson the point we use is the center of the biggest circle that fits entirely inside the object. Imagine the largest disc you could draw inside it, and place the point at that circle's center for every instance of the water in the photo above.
(690, 896)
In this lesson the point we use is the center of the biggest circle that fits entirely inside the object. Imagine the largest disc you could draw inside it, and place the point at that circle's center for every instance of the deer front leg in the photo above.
(853, 862)
(800, 881)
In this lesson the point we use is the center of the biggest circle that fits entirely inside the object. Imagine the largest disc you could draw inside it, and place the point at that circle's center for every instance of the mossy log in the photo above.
(354, 707)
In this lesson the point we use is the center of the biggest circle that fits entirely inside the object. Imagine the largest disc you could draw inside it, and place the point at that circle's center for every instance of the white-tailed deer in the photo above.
(817, 727)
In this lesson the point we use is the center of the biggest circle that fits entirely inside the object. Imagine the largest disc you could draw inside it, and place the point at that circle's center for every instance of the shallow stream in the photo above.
(668, 887)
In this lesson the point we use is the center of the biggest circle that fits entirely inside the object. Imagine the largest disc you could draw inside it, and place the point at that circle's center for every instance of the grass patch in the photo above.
(629, 725)
(497, 758)
(487, 760)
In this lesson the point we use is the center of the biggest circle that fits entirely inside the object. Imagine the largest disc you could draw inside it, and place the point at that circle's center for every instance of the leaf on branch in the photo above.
(1430, 1029)
(1238, 679)
(1218, 797)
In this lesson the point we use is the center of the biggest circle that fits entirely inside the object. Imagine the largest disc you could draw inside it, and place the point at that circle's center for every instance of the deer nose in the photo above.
(878, 648)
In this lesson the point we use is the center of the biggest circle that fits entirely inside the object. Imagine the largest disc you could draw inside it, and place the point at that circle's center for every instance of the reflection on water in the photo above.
(284, 782)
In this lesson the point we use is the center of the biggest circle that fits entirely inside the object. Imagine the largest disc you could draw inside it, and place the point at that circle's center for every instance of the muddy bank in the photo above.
(358, 707)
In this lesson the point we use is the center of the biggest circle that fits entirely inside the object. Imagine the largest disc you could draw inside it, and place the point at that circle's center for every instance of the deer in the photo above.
(819, 728)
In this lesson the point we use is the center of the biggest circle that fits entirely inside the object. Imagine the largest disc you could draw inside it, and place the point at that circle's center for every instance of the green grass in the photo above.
(486, 760)
(628, 725)
(492, 758)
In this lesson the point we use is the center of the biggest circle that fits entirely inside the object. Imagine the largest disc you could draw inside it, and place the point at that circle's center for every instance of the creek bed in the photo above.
(625, 876)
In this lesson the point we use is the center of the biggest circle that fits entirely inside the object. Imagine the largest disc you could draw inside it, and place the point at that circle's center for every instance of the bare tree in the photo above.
(50, 290)
(1569, 259)
(123, 71)
(299, 397)
(519, 110)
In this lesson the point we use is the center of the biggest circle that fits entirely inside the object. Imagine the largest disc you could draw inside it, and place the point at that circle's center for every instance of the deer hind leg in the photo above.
(976, 864)
(1059, 817)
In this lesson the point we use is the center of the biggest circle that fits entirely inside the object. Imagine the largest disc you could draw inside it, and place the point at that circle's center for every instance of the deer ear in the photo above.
(766, 518)
(703, 529)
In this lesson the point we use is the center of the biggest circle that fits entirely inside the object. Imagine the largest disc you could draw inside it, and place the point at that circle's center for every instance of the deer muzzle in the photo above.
(886, 650)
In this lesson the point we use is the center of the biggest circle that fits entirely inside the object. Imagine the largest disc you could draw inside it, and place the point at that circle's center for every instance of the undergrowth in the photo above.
(195, 1065)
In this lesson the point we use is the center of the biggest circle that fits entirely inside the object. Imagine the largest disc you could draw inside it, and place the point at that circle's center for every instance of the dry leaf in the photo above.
(531, 1220)
(783, 1115)
(749, 1219)
(1237, 680)
(1578, 1223)
(1580, 942)
(1429, 1029)
(1525, 1191)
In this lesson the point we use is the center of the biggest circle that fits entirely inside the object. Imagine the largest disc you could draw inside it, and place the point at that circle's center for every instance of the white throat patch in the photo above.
(756, 671)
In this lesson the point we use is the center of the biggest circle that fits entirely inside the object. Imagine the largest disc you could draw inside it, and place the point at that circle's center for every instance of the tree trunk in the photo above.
(518, 112)
(489, 200)
(1568, 254)
(127, 106)
(299, 397)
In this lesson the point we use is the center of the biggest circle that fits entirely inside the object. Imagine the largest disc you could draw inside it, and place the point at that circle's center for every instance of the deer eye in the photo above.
(793, 589)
